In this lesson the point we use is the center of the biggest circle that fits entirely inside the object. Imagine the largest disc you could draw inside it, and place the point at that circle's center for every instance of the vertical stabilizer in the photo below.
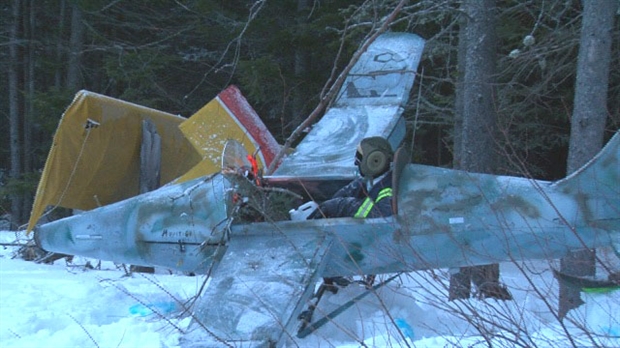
(596, 187)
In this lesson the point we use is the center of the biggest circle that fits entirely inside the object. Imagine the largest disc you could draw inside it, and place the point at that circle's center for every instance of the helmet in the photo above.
(373, 156)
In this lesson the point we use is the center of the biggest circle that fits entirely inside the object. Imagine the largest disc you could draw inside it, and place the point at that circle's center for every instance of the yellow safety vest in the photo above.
(366, 207)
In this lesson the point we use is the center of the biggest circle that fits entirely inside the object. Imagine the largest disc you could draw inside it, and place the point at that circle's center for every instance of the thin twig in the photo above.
(83, 328)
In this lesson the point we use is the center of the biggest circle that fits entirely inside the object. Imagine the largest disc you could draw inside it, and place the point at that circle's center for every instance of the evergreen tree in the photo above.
(588, 120)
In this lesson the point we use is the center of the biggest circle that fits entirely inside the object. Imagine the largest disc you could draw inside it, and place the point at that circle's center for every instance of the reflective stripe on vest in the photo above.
(366, 207)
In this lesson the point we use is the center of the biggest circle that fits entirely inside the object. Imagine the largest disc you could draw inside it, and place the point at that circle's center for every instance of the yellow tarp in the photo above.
(95, 154)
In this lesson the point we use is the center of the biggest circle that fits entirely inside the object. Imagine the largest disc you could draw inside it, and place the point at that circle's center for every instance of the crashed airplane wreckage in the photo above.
(264, 273)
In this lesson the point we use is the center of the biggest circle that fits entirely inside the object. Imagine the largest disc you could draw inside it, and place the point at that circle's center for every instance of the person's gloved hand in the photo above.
(304, 211)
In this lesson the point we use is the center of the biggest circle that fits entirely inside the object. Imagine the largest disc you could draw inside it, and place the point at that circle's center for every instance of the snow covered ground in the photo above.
(69, 305)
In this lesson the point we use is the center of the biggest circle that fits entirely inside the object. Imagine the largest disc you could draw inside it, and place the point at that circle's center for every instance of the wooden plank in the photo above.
(150, 157)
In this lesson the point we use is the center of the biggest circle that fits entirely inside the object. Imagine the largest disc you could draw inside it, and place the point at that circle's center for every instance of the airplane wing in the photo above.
(370, 103)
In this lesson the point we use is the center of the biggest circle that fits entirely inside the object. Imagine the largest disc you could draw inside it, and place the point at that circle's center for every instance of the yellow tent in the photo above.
(95, 156)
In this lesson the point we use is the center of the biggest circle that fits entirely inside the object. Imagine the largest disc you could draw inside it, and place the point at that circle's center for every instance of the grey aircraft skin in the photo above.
(263, 274)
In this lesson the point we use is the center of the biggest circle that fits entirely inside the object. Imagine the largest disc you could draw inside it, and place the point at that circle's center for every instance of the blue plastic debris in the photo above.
(404, 327)
(143, 310)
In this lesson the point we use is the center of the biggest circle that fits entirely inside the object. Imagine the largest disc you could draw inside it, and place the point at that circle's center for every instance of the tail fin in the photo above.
(597, 186)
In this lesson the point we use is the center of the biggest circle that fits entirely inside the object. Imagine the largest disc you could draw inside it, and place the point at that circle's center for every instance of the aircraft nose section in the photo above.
(173, 227)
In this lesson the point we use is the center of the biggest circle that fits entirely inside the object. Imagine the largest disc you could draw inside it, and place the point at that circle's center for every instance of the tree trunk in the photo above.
(29, 17)
(588, 121)
(14, 112)
(30, 79)
(459, 103)
(28, 100)
(75, 49)
(479, 118)
(59, 46)
(460, 279)
(299, 91)
(479, 128)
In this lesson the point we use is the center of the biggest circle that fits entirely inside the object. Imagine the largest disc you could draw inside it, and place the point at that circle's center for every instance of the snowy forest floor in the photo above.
(70, 305)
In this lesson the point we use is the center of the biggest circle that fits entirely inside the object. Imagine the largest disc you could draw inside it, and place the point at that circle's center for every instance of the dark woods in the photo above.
(177, 55)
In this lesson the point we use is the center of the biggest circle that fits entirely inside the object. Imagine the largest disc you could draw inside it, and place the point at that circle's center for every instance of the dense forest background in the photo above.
(176, 55)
